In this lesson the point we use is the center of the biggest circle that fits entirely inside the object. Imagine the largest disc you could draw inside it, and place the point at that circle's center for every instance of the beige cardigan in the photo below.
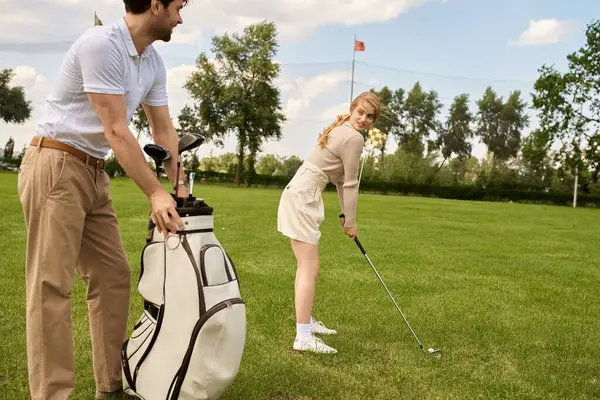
(339, 160)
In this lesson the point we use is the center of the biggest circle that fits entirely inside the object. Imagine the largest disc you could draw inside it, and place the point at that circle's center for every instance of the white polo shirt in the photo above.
(102, 60)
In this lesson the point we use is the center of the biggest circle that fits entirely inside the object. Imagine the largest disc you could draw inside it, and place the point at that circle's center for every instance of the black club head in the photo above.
(189, 141)
(157, 152)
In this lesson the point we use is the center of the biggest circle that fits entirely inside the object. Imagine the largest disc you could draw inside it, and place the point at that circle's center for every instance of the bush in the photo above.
(476, 192)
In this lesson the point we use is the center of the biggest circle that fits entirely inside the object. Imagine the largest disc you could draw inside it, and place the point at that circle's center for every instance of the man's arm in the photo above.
(111, 110)
(156, 107)
(164, 133)
(101, 66)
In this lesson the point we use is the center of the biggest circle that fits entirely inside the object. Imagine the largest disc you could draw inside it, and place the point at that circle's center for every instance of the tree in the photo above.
(463, 169)
(140, 122)
(268, 164)
(9, 149)
(513, 121)
(14, 108)
(388, 120)
(21, 154)
(453, 138)
(224, 163)
(500, 124)
(569, 104)
(236, 93)
(289, 166)
(535, 149)
(189, 122)
(191, 162)
(420, 113)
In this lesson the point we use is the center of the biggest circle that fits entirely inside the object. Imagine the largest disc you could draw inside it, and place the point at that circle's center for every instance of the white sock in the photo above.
(312, 321)
(303, 331)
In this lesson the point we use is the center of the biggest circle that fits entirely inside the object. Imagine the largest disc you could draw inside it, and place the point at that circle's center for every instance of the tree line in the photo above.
(234, 93)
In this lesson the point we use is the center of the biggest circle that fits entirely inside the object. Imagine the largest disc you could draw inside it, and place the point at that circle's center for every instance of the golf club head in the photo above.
(189, 141)
(157, 152)
(437, 353)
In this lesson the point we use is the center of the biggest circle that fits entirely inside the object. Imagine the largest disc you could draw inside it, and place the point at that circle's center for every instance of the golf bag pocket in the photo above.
(213, 355)
(150, 285)
(221, 266)
(135, 347)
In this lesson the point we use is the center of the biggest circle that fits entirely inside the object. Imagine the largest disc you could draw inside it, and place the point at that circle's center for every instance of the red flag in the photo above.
(359, 46)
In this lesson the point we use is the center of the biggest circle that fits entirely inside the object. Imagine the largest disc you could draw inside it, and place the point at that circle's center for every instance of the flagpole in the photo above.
(353, 60)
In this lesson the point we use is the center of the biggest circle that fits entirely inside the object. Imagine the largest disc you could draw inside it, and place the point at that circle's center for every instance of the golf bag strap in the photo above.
(152, 309)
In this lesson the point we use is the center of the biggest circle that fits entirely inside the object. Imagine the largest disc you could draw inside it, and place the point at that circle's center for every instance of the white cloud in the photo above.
(29, 78)
(332, 112)
(36, 89)
(302, 91)
(178, 95)
(545, 31)
(302, 99)
(295, 19)
(187, 36)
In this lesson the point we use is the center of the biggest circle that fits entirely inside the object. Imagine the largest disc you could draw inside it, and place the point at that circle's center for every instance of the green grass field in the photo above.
(509, 292)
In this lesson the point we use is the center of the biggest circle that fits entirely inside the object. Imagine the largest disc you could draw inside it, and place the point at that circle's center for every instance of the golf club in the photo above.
(361, 170)
(437, 353)
(192, 176)
(186, 142)
(159, 154)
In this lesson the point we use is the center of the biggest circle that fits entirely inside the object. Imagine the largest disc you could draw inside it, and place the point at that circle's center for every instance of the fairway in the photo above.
(509, 292)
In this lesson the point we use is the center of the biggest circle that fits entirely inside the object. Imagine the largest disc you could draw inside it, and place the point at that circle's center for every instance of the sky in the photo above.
(450, 46)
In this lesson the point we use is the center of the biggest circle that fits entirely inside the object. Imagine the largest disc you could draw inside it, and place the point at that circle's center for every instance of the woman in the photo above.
(335, 159)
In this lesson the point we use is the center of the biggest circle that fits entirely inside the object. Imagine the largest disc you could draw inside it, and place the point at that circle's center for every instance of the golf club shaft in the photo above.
(362, 249)
(361, 170)
(177, 176)
(157, 169)
(192, 176)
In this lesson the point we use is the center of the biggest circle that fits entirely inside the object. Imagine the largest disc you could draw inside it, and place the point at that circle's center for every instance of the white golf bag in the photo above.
(188, 342)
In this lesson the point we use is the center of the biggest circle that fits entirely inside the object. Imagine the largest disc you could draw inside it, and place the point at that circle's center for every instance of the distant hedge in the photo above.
(476, 192)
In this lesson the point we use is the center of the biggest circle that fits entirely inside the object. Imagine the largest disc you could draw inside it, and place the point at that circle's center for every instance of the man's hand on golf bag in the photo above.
(164, 212)
(350, 232)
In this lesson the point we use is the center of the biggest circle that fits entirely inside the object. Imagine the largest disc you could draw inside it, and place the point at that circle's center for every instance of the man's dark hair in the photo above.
(141, 6)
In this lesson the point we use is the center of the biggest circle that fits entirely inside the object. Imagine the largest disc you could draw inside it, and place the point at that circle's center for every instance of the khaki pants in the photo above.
(71, 226)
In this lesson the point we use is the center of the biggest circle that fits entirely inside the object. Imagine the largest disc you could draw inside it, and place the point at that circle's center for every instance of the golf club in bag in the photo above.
(189, 340)
(159, 154)
(187, 142)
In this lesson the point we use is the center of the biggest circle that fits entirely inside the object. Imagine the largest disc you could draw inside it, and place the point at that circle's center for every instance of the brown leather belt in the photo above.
(55, 144)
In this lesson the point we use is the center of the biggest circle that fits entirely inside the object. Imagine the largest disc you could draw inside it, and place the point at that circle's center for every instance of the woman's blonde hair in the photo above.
(369, 97)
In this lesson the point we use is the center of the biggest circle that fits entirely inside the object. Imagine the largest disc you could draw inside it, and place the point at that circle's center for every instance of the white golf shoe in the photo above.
(320, 329)
(313, 344)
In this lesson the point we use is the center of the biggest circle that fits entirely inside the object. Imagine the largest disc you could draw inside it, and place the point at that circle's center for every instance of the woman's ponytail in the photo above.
(323, 136)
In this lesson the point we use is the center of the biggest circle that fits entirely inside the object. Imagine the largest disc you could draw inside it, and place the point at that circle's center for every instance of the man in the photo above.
(71, 224)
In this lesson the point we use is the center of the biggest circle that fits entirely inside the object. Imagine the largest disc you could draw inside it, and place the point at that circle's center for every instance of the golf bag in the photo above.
(189, 340)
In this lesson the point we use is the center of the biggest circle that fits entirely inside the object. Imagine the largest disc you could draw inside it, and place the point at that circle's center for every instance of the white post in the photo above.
(580, 132)
(575, 186)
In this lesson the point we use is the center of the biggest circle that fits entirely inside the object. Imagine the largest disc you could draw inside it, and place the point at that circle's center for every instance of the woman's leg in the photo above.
(307, 257)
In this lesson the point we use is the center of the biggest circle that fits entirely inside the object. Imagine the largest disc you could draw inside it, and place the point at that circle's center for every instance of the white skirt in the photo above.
(301, 210)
